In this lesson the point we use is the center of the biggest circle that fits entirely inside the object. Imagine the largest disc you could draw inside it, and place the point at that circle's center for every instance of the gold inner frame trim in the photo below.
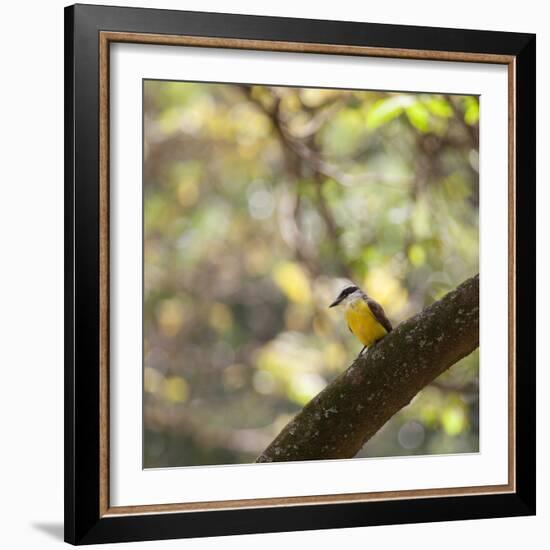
(105, 39)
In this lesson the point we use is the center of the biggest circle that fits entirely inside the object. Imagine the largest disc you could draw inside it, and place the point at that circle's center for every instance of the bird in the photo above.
(366, 318)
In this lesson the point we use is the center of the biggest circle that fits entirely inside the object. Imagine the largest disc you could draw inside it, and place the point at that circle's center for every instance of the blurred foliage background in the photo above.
(260, 204)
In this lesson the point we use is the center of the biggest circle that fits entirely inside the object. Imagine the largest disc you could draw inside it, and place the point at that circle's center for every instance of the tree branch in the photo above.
(349, 411)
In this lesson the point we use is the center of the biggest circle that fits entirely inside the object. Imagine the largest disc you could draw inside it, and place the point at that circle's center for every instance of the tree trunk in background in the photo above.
(349, 411)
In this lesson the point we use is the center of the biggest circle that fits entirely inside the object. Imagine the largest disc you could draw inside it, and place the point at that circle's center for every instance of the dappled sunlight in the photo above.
(260, 205)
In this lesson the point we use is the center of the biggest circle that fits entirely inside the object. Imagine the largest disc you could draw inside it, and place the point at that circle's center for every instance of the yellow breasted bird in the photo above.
(365, 317)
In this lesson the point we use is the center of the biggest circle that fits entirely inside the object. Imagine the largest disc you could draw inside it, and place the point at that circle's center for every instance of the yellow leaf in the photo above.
(176, 389)
(292, 279)
(453, 419)
(381, 285)
(417, 255)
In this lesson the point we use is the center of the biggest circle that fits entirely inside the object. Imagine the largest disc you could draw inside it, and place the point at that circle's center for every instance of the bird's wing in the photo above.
(378, 312)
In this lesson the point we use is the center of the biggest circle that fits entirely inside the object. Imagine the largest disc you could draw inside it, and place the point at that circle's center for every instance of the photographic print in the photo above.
(264, 206)
(275, 230)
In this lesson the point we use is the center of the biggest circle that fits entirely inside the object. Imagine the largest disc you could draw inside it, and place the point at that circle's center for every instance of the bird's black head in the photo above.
(344, 294)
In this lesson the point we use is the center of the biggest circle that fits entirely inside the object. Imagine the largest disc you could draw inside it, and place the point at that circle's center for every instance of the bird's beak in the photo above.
(336, 302)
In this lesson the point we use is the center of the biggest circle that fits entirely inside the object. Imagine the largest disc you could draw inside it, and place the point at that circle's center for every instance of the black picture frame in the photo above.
(84, 524)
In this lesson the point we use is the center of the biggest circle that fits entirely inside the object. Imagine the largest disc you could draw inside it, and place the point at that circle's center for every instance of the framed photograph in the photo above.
(300, 274)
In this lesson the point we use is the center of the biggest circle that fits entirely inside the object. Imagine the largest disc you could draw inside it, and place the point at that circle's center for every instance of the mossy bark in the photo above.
(349, 411)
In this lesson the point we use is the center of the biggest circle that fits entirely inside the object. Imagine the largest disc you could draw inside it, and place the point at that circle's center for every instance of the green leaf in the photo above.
(454, 420)
(471, 111)
(385, 110)
(419, 117)
(439, 107)
(417, 255)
